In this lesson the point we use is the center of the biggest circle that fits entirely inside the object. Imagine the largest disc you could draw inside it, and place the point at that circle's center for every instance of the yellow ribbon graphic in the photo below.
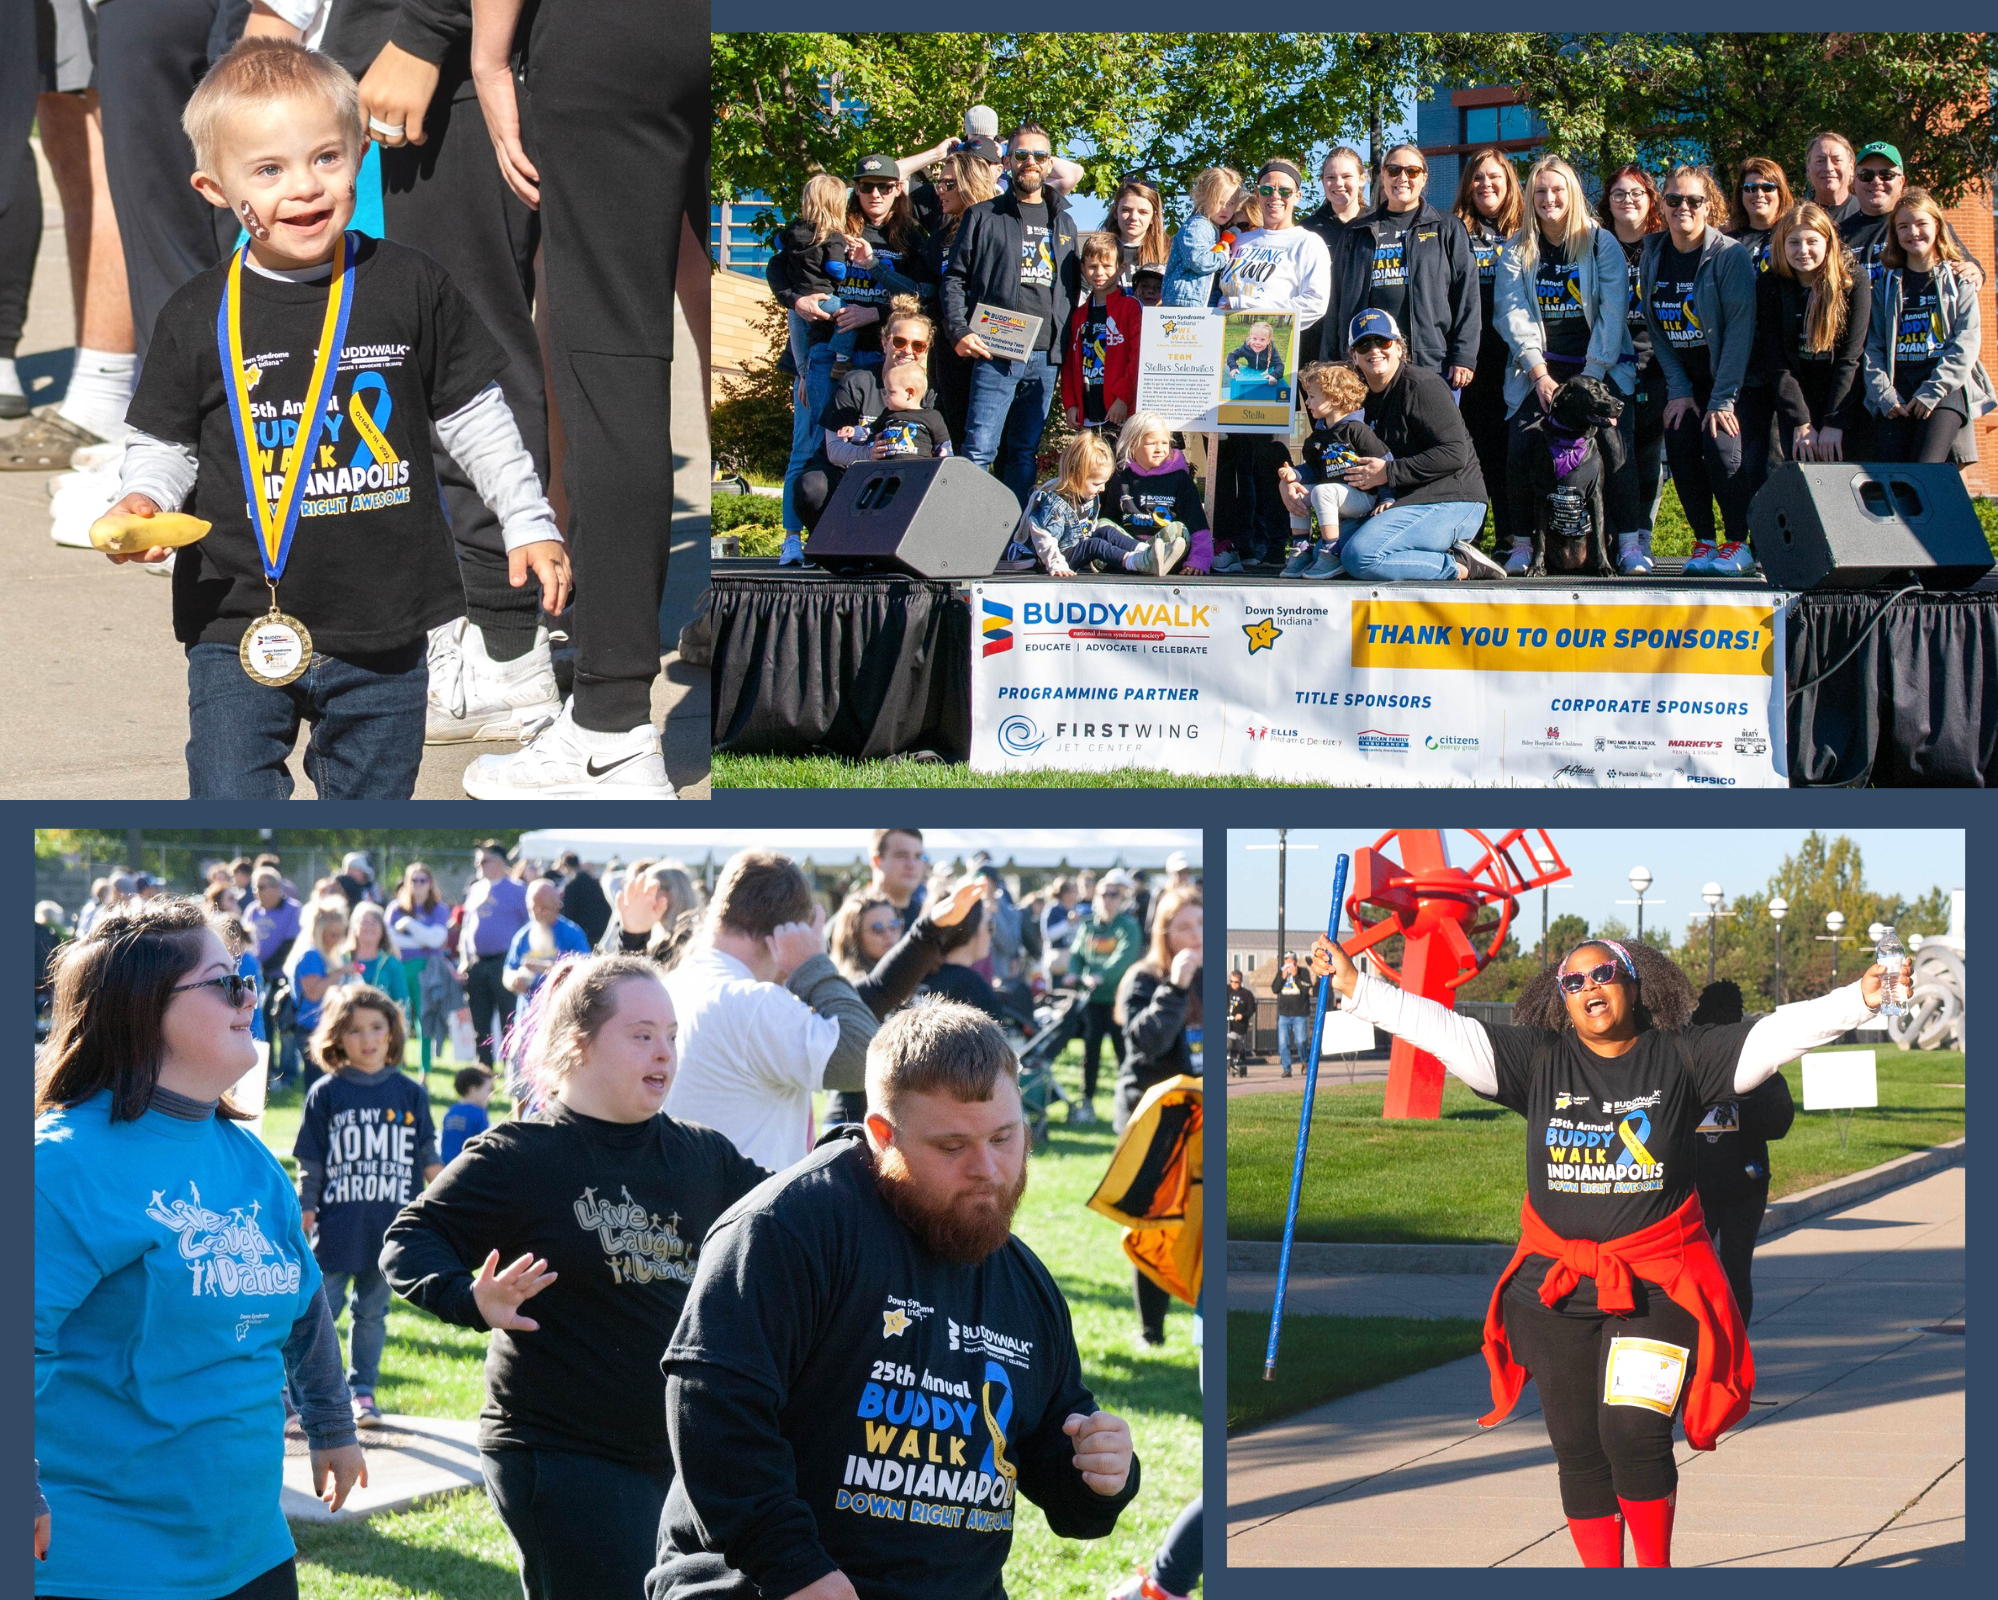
(364, 425)
(1000, 1464)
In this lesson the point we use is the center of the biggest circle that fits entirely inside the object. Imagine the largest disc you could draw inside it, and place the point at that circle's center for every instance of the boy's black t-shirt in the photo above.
(1095, 359)
(372, 567)
(1557, 290)
(619, 1211)
(1333, 445)
(1672, 302)
(1142, 503)
(913, 433)
(372, 1132)
(1037, 269)
(913, 1397)
(1609, 1140)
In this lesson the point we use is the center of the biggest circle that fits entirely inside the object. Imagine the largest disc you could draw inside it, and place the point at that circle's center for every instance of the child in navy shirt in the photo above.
(1153, 492)
(467, 1119)
(1333, 394)
(365, 1139)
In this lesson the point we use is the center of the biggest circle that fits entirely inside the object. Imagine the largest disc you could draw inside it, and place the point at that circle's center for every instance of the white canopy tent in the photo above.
(1026, 847)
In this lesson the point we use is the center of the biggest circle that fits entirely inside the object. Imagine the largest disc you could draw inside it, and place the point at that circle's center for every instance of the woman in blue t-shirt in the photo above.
(315, 963)
(162, 1457)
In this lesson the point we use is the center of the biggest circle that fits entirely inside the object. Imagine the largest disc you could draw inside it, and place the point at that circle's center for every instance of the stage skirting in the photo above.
(1335, 683)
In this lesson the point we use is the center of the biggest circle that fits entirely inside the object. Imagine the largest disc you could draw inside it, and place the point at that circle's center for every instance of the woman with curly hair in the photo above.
(1614, 1303)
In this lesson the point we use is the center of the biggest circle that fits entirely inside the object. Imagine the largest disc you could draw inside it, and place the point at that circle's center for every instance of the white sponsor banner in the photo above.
(1210, 370)
(1412, 685)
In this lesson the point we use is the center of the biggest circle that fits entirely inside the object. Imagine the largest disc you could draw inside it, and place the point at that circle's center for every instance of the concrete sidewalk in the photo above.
(1858, 1463)
(99, 703)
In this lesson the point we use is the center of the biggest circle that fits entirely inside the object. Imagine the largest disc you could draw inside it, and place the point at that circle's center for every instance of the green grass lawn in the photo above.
(456, 1548)
(1322, 1358)
(1461, 1178)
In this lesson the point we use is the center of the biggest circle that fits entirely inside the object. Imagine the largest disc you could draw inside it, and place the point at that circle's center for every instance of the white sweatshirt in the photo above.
(1281, 269)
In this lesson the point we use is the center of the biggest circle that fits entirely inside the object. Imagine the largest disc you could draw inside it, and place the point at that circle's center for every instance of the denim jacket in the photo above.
(1196, 256)
(1957, 365)
(1052, 523)
(1604, 283)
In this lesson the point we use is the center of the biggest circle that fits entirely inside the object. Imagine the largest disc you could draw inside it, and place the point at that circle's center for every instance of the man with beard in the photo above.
(870, 1368)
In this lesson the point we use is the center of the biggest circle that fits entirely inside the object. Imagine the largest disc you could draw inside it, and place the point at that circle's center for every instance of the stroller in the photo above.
(1582, 447)
(1060, 1021)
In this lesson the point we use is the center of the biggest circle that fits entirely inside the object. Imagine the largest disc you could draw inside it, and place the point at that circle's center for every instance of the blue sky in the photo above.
(1907, 861)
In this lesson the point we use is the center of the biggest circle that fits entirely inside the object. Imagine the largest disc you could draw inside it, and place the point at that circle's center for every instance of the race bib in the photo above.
(1645, 1372)
(1193, 1050)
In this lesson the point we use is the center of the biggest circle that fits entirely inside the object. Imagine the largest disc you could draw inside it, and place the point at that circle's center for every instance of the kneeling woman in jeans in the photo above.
(598, 1206)
(1430, 496)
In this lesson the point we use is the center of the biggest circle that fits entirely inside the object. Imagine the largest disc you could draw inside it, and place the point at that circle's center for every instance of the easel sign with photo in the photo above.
(1210, 371)
(1840, 1080)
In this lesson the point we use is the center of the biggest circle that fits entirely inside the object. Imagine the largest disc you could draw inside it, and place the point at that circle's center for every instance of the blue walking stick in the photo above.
(1304, 1126)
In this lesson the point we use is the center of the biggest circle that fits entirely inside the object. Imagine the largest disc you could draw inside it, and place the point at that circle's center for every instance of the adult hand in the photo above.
(138, 505)
(1872, 984)
(1831, 444)
(1919, 409)
(955, 909)
(1545, 389)
(792, 944)
(1803, 443)
(1102, 1449)
(548, 560)
(1296, 498)
(1118, 411)
(1184, 966)
(1722, 420)
(308, 1220)
(833, 1586)
(1684, 406)
(856, 317)
(807, 306)
(859, 252)
(336, 1471)
(881, 450)
(1329, 960)
(1459, 377)
(42, 1537)
(500, 1291)
(1897, 409)
(1971, 273)
(1074, 415)
(637, 906)
(1369, 472)
(974, 348)
(396, 90)
(492, 76)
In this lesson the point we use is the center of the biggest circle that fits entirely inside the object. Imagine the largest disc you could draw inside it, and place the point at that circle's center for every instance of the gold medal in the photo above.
(276, 649)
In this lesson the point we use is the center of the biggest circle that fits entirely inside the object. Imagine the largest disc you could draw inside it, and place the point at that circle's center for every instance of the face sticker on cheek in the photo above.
(256, 229)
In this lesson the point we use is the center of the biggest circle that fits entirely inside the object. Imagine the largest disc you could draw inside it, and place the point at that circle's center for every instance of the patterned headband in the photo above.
(1622, 955)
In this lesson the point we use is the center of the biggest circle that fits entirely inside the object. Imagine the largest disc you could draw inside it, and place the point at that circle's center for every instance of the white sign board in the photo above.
(1408, 685)
(1835, 1080)
(1009, 335)
(1208, 370)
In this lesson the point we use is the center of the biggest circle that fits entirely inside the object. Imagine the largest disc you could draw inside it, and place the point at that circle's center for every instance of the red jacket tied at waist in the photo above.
(1679, 1258)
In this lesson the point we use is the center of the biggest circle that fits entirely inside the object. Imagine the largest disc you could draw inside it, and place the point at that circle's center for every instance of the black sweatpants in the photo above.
(1098, 1024)
(1483, 408)
(1925, 439)
(20, 238)
(446, 198)
(1708, 469)
(280, 1583)
(150, 55)
(587, 1527)
(491, 1003)
(1630, 494)
(617, 123)
(1734, 1221)
(1603, 1451)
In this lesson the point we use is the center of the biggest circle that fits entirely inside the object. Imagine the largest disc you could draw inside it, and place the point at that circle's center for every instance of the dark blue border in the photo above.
(1035, 16)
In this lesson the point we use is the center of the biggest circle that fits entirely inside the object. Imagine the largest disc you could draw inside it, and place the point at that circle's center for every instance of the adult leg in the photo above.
(1637, 1439)
(1026, 421)
(1096, 1027)
(989, 402)
(20, 238)
(586, 1526)
(1410, 544)
(1932, 437)
(1152, 1304)
(616, 87)
(1283, 1044)
(815, 488)
(239, 732)
(1520, 517)
(1562, 1354)
(1726, 458)
(100, 384)
(486, 997)
(814, 387)
(1483, 406)
(1734, 1223)
(1270, 522)
(368, 721)
(1686, 456)
(370, 1331)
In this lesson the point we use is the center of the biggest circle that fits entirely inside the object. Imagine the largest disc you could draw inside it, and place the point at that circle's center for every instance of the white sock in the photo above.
(1131, 556)
(590, 739)
(10, 377)
(100, 388)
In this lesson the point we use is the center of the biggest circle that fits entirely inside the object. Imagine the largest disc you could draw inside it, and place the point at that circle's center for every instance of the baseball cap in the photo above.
(353, 859)
(1880, 147)
(1177, 862)
(981, 122)
(1372, 323)
(876, 166)
(983, 148)
(1116, 877)
(1148, 269)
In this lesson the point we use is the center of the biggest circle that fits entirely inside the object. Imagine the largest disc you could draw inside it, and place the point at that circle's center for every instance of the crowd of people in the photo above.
(242, 179)
(1523, 352)
(661, 1212)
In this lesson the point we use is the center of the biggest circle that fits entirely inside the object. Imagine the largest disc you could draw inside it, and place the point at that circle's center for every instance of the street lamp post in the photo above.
(1712, 895)
(1835, 921)
(1640, 880)
(1779, 908)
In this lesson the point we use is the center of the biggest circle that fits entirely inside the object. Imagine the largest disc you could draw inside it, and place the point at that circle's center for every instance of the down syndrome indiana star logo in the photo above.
(894, 1321)
(1263, 635)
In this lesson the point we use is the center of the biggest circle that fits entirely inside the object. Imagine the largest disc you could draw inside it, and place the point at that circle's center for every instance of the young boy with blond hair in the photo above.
(1333, 395)
(287, 399)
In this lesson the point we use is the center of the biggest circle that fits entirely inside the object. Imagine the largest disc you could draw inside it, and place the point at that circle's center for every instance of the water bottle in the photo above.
(1894, 959)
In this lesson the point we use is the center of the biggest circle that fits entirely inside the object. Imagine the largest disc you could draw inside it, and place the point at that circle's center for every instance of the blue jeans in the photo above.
(1411, 544)
(1293, 1039)
(367, 726)
(805, 429)
(369, 1331)
(1006, 416)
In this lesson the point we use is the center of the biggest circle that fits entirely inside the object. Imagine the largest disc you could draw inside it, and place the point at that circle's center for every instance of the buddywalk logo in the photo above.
(997, 626)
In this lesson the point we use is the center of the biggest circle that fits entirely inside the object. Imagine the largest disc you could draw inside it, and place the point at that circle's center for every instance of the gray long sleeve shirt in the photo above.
(818, 983)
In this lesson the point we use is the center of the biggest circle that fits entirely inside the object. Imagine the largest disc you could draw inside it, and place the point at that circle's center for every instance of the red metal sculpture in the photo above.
(1435, 908)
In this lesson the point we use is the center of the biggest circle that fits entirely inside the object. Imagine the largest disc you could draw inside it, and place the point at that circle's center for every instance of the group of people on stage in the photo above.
(240, 179)
(657, 1216)
(1526, 351)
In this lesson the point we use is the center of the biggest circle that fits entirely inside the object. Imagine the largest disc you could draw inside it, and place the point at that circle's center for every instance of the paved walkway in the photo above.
(410, 1460)
(1858, 1463)
(1266, 1076)
(98, 701)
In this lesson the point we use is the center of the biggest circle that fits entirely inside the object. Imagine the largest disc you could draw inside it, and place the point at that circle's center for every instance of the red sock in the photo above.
(1650, 1528)
(1599, 1540)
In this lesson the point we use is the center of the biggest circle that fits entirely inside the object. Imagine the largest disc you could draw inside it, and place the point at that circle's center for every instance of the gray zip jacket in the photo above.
(1604, 282)
(1724, 297)
(1957, 366)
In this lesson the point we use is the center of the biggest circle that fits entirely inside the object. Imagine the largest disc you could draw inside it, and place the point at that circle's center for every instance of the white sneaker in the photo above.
(1701, 560)
(1519, 557)
(77, 499)
(1732, 560)
(1631, 558)
(559, 761)
(475, 697)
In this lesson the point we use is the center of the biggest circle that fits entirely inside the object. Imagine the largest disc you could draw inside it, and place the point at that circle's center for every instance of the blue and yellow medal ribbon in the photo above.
(277, 520)
(1633, 1138)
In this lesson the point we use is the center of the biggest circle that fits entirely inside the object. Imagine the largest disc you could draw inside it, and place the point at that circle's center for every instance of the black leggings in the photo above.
(587, 1527)
(1924, 439)
(1483, 408)
(1248, 498)
(1708, 469)
(491, 1003)
(1097, 1025)
(280, 1583)
(1734, 1222)
(20, 237)
(1630, 494)
(1604, 1452)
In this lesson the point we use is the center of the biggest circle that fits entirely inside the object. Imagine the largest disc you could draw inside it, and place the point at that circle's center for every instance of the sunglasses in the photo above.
(1689, 202)
(915, 347)
(1603, 973)
(1370, 344)
(875, 188)
(946, 186)
(1758, 186)
(1033, 155)
(881, 929)
(1270, 192)
(419, 877)
(1395, 169)
(1876, 175)
(236, 988)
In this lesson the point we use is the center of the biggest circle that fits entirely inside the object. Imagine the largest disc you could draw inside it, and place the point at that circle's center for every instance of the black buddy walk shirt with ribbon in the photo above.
(619, 1211)
(372, 567)
(1609, 1140)
(848, 1400)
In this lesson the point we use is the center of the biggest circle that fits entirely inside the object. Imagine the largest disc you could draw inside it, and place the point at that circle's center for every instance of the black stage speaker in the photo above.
(1858, 525)
(932, 518)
